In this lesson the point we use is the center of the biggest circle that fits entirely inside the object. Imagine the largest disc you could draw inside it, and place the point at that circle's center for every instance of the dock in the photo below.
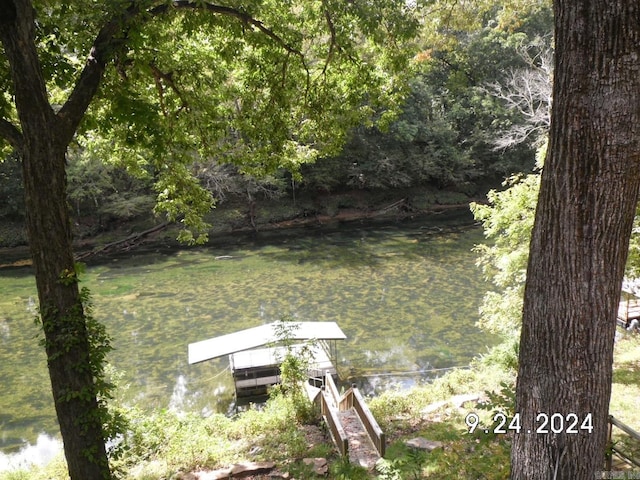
(629, 307)
(255, 354)
(255, 369)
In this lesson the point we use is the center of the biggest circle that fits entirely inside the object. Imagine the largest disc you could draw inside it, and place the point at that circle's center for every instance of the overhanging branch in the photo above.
(11, 134)
(230, 12)
(111, 39)
(159, 77)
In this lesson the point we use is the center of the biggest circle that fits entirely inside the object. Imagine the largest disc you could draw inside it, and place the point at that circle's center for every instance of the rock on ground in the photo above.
(237, 470)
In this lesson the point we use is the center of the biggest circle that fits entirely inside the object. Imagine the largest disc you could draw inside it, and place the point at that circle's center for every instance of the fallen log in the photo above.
(124, 243)
(396, 204)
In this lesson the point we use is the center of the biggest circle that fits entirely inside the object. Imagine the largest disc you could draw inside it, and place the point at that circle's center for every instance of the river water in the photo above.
(406, 295)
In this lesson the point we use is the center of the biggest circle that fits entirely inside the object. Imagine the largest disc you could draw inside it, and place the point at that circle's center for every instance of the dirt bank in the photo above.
(237, 222)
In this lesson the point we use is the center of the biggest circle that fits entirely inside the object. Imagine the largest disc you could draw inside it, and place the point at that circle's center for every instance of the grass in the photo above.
(161, 445)
(625, 397)
(480, 455)
(403, 416)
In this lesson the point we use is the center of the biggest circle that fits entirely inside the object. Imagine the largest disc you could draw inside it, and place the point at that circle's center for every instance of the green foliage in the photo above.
(389, 469)
(99, 347)
(343, 469)
(299, 469)
(89, 180)
(104, 190)
(11, 191)
(263, 107)
(447, 130)
(408, 466)
(12, 233)
(504, 355)
(181, 198)
(507, 221)
(56, 469)
(185, 441)
(17, 475)
(294, 369)
(633, 261)
(271, 92)
(127, 205)
(265, 85)
(71, 331)
(457, 74)
(502, 400)
(171, 442)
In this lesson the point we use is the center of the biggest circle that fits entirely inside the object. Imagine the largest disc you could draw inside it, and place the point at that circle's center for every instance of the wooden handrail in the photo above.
(346, 400)
(625, 428)
(629, 431)
(332, 402)
(352, 398)
(330, 414)
(332, 390)
(369, 422)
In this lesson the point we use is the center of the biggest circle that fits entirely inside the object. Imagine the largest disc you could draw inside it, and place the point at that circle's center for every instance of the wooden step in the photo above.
(361, 449)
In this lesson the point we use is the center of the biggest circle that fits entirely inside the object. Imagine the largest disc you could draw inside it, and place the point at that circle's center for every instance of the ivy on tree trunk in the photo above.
(240, 88)
(42, 146)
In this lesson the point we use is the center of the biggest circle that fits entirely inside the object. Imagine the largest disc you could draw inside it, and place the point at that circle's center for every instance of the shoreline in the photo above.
(161, 236)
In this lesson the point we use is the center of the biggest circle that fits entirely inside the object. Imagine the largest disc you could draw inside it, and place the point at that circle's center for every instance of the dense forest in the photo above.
(470, 117)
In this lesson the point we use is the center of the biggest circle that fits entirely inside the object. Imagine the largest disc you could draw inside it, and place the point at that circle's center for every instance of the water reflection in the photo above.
(32, 308)
(5, 330)
(177, 400)
(44, 450)
(407, 302)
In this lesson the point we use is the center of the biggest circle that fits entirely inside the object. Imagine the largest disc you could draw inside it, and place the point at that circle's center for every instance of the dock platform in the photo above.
(255, 368)
(254, 371)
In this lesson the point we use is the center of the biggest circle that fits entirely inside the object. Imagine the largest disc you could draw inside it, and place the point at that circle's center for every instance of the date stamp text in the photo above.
(545, 423)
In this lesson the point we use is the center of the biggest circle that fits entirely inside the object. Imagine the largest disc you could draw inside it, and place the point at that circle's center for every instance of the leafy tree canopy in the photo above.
(448, 131)
(262, 84)
(155, 85)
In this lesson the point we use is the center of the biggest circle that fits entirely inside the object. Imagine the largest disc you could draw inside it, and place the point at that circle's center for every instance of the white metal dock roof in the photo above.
(259, 336)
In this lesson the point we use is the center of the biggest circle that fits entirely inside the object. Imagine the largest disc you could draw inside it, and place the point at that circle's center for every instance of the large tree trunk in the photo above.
(580, 239)
(42, 146)
(61, 311)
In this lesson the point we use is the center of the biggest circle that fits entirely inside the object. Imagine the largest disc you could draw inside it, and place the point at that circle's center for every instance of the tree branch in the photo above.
(231, 12)
(109, 40)
(159, 76)
(333, 42)
(112, 38)
(17, 34)
(11, 134)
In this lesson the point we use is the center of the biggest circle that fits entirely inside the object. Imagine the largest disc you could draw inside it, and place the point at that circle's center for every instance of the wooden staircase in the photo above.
(353, 428)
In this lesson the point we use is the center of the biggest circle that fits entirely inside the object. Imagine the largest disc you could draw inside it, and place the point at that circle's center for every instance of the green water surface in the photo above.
(407, 297)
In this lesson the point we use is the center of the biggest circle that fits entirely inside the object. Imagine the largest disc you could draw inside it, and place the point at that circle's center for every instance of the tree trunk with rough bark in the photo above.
(579, 244)
(42, 144)
(61, 311)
